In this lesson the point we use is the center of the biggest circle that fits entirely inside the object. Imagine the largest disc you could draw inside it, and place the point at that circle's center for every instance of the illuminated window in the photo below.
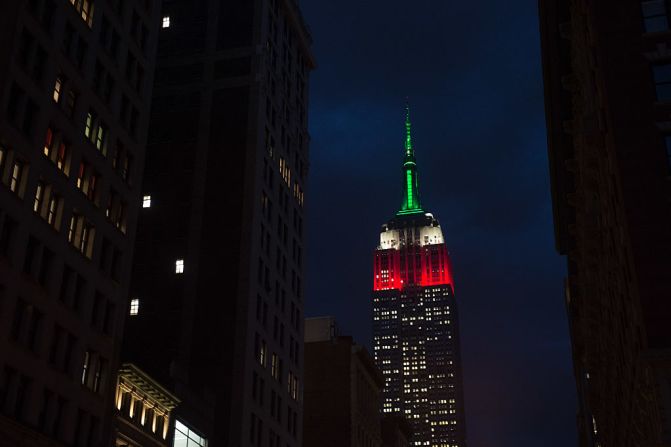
(655, 17)
(146, 201)
(186, 437)
(57, 89)
(134, 306)
(179, 266)
(166, 22)
(85, 10)
(39, 196)
(16, 177)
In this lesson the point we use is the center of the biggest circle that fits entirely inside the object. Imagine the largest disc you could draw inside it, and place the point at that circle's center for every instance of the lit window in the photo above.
(166, 22)
(17, 175)
(184, 436)
(146, 201)
(179, 266)
(655, 17)
(39, 196)
(57, 89)
(134, 306)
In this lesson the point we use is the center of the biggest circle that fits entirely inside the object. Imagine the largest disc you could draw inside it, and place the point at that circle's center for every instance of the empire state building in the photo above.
(415, 323)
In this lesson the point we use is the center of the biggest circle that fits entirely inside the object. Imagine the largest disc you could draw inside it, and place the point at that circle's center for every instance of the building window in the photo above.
(166, 22)
(655, 18)
(58, 87)
(186, 437)
(146, 202)
(179, 266)
(96, 132)
(85, 10)
(662, 76)
(134, 306)
(81, 234)
(18, 169)
(57, 150)
(39, 197)
(53, 211)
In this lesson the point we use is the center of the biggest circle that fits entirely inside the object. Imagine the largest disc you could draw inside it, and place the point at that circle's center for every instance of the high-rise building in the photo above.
(607, 72)
(75, 88)
(415, 323)
(216, 290)
(342, 389)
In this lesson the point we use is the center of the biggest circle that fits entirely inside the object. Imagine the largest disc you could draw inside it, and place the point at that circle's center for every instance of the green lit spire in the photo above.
(410, 187)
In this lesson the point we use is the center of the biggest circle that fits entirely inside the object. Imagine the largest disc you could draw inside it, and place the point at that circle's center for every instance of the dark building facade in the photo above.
(415, 323)
(75, 89)
(607, 71)
(216, 290)
(343, 390)
(396, 431)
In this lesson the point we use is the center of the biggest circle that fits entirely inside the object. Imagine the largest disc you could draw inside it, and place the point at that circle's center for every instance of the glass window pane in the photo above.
(662, 73)
(664, 92)
(181, 427)
(653, 8)
(656, 24)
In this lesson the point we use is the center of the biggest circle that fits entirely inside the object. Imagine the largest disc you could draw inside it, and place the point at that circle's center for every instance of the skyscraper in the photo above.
(216, 289)
(607, 72)
(415, 323)
(75, 88)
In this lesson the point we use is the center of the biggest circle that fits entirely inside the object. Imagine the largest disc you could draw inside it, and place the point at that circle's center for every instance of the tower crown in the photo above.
(410, 184)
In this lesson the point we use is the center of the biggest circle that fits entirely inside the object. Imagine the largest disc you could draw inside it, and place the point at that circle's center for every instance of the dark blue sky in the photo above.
(473, 75)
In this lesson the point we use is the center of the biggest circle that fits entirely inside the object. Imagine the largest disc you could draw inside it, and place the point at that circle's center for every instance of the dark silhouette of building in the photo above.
(75, 87)
(144, 412)
(607, 72)
(342, 390)
(216, 290)
(415, 323)
(396, 431)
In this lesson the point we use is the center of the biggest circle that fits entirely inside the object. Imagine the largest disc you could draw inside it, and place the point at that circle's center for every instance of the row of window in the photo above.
(32, 57)
(276, 364)
(17, 389)
(27, 330)
(256, 432)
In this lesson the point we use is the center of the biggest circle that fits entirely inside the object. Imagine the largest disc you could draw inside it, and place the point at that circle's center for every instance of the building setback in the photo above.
(75, 87)
(607, 71)
(415, 323)
(216, 291)
(342, 390)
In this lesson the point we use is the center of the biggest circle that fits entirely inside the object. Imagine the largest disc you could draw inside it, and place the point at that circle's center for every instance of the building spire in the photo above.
(408, 136)
(410, 183)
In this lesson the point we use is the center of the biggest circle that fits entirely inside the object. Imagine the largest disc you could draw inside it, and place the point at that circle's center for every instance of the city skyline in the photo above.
(192, 193)
(476, 96)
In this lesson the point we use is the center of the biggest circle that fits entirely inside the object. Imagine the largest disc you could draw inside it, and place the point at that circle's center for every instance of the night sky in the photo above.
(472, 73)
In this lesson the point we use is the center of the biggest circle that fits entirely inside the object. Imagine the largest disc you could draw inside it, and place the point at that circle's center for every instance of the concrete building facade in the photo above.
(343, 390)
(218, 272)
(75, 89)
(607, 67)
